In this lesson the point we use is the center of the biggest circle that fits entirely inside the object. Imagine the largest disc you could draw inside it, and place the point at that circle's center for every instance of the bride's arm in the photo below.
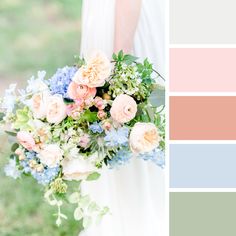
(126, 20)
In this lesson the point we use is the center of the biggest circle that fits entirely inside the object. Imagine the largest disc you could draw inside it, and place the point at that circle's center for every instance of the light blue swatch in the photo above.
(203, 166)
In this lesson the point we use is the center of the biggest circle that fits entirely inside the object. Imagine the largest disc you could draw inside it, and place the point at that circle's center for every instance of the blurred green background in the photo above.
(34, 35)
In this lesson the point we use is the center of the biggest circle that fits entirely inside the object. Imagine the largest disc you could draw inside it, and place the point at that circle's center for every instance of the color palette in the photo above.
(202, 117)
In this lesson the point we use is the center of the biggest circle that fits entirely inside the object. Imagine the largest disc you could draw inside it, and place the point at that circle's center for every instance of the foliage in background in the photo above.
(35, 34)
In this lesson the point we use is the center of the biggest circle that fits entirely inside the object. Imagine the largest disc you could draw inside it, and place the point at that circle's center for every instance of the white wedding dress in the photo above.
(135, 193)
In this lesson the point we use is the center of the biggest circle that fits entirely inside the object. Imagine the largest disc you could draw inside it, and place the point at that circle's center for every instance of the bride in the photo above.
(135, 192)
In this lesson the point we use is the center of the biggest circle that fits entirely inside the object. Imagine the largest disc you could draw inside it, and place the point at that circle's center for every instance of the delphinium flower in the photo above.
(11, 169)
(120, 158)
(157, 156)
(61, 80)
(96, 128)
(43, 174)
(117, 137)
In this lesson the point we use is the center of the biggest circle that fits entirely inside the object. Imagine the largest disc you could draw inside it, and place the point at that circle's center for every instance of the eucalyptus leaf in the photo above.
(14, 147)
(78, 214)
(93, 176)
(157, 97)
(74, 198)
(1, 116)
(13, 134)
(87, 221)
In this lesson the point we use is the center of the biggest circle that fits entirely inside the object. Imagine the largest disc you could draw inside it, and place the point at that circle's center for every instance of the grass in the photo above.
(35, 35)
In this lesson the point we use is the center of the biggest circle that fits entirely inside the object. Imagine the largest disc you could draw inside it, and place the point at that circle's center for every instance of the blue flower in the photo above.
(157, 156)
(60, 81)
(120, 158)
(11, 169)
(96, 128)
(45, 176)
(116, 138)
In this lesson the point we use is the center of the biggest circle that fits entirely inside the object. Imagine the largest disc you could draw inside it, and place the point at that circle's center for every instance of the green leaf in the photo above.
(1, 116)
(14, 147)
(157, 97)
(74, 198)
(89, 116)
(114, 57)
(13, 134)
(93, 176)
(87, 221)
(78, 214)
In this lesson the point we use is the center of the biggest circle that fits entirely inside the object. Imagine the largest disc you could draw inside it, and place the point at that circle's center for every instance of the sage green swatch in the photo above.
(202, 214)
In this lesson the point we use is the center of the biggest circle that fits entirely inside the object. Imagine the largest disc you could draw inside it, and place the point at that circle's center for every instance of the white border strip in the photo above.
(198, 190)
(218, 142)
(192, 46)
(207, 94)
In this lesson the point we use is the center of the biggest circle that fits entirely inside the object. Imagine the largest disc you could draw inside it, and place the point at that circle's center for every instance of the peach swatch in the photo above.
(202, 118)
(202, 70)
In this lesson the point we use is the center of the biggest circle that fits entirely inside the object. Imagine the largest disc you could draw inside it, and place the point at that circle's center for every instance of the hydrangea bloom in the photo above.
(115, 138)
(121, 157)
(156, 155)
(60, 81)
(11, 169)
(96, 128)
(43, 177)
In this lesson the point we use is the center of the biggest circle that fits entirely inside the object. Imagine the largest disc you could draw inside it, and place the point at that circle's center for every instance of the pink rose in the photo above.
(95, 72)
(26, 140)
(78, 91)
(123, 108)
(99, 103)
(84, 140)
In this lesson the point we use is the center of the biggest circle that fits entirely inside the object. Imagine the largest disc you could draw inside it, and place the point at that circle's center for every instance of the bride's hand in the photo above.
(126, 20)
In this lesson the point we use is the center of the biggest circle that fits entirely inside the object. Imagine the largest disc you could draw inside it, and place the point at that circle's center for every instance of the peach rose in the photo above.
(95, 72)
(144, 137)
(39, 105)
(51, 155)
(123, 108)
(78, 91)
(56, 109)
(76, 168)
(26, 140)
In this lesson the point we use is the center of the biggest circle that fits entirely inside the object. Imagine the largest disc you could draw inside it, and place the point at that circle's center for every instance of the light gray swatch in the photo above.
(203, 166)
(202, 21)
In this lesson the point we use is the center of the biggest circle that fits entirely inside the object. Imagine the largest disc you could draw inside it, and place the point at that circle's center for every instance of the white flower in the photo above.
(56, 109)
(38, 104)
(37, 85)
(9, 99)
(11, 169)
(51, 155)
(144, 137)
(76, 168)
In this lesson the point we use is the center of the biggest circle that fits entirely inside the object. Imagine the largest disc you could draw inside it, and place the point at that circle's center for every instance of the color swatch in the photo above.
(202, 21)
(202, 214)
(202, 118)
(202, 166)
(202, 70)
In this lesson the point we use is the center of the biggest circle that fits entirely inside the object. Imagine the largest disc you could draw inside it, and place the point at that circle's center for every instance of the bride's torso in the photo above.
(98, 29)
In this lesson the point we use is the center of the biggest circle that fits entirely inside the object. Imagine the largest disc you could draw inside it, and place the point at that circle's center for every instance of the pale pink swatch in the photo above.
(203, 70)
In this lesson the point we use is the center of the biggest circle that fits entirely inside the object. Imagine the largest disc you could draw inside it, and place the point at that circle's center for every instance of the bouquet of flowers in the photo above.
(89, 116)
